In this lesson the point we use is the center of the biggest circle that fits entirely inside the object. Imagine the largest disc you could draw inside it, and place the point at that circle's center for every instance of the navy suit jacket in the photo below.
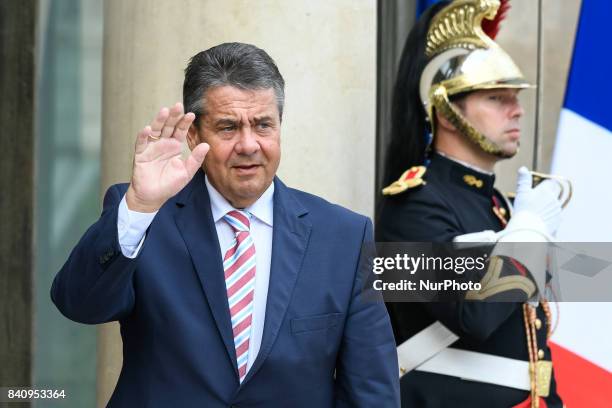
(322, 344)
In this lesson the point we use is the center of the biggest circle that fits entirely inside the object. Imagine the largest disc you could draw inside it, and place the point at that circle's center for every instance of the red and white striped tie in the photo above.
(239, 265)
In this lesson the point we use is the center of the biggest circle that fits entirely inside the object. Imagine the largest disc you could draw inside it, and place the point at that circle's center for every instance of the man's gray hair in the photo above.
(243, 66)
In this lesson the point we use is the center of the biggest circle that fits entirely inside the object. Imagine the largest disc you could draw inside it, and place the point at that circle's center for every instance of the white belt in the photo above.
(423, 346)
(481, 367)
(428, 351)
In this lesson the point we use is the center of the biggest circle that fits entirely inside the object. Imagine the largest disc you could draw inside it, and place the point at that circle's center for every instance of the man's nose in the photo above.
(248, 143)
(517, 109)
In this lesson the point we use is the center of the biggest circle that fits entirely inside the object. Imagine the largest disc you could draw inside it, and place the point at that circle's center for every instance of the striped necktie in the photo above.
(239, 266)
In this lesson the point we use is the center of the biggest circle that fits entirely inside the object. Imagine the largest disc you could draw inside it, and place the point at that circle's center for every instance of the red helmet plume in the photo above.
(491, 27)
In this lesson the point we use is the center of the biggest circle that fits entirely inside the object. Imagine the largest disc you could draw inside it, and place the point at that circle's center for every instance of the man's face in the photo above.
(495, 113)
(242, 128)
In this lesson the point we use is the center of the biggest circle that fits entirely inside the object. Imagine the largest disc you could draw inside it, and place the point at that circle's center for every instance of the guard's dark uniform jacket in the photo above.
(456, 200)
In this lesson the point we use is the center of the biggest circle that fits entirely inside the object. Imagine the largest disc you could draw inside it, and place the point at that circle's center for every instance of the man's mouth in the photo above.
(246, 166)
(514, 133)
(246, 169)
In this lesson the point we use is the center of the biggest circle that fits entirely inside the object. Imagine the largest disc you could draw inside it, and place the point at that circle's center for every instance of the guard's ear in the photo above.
(442, 122)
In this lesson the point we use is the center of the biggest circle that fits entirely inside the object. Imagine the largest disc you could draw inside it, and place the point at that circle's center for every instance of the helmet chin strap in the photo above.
(509, 155)
(442, 104)
(499, 153)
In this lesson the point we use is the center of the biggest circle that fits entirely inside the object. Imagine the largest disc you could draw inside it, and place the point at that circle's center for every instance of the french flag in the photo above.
(582, 343)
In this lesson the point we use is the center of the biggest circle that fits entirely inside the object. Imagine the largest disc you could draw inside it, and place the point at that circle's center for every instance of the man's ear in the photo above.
(193, 136)
(442, 122)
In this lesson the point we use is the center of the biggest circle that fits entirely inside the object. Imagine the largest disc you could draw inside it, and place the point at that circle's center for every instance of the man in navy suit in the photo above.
(231, 289)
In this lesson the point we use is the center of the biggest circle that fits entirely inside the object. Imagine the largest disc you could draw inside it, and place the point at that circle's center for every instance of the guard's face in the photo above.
(496, 113)
(242, 128)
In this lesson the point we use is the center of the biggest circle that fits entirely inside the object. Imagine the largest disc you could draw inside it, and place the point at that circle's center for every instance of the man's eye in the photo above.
(227, 128)
(263, 125)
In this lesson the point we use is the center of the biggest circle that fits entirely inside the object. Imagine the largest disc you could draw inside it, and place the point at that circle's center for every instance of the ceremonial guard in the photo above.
(455, 115)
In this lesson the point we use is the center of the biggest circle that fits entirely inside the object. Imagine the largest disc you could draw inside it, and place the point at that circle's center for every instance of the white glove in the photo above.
(536, 206)
(537, 215)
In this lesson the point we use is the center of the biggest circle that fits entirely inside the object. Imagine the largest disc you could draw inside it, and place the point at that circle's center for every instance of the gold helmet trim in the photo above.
(459, 25)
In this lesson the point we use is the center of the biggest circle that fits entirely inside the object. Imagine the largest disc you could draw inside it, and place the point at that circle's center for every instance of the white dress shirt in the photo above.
(132, 226)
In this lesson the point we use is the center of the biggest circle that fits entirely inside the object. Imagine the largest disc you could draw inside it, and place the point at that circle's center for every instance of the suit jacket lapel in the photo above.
(290, 235)
(196, 225)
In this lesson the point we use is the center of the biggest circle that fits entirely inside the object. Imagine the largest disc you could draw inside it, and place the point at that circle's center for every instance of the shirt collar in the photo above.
(262, 209)
(466, 164)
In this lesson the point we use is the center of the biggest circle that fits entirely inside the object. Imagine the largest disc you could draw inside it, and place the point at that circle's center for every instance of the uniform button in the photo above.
(538, 324)
(540, 354)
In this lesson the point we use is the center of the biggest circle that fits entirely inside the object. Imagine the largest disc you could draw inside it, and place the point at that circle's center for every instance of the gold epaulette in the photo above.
(412, 177)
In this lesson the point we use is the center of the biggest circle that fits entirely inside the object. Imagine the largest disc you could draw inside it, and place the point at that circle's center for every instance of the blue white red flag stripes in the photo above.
(581, 345)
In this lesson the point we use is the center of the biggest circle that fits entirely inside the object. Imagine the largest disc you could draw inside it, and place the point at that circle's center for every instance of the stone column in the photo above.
(17, 110)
